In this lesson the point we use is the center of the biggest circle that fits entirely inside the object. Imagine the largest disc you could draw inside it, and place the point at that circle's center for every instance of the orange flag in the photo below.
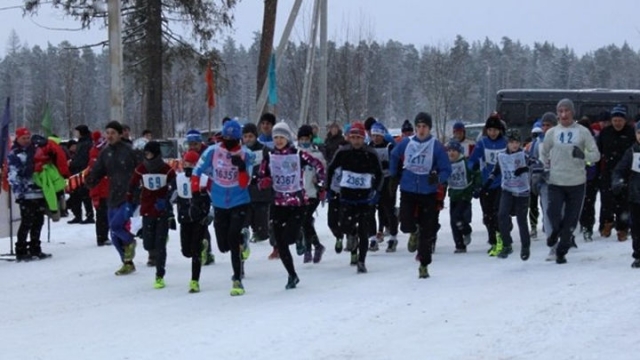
(211, 87)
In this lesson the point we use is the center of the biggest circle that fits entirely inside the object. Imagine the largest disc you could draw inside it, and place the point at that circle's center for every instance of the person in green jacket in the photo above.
(462, 182)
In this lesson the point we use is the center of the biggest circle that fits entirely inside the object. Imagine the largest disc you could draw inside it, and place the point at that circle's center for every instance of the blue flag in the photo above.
(273, 84)
(4, 133)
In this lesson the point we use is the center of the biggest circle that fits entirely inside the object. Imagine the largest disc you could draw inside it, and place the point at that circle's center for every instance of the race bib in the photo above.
(508, 165)
(183, 186)
(418, 157)
(568, 136)
(352, 180)
(286, 173)
(635, 165)
(154, 181)
(491, 156)
(225, 174)
(458, 178)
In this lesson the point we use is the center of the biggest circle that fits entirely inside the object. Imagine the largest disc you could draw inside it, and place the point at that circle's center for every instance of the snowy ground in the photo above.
(472, 307)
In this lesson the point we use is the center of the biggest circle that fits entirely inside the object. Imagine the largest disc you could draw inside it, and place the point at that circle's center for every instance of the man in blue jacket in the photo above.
(425, 164)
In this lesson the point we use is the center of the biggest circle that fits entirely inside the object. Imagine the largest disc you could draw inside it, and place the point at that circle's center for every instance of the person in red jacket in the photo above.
(154, 180)
(100, 192)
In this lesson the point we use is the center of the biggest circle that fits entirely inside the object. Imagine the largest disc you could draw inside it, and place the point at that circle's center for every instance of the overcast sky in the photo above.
(582, 25)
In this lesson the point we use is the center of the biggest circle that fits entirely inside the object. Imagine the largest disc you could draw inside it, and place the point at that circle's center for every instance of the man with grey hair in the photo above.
(566, 149)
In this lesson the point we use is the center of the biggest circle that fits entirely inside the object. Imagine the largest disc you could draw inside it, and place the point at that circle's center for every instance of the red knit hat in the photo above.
(357, 129)
(96, 135)
(191, 157)
(20, 132)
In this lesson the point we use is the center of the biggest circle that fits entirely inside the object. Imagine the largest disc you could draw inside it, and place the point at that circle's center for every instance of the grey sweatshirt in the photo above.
(557, 154)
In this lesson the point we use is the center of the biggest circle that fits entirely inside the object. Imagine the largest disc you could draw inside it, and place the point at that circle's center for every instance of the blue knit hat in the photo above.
(455, 145)
(378, 129)
(638, 126)
(232, 129)
(619, 111)
(458, 126)
(193, 135)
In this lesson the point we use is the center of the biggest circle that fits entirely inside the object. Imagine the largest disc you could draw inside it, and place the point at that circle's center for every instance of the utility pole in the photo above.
(262, 99)
(115, 58)
(322, 101)
(308, 72)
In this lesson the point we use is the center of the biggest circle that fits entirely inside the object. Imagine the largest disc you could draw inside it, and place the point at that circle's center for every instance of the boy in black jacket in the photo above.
(194, 217)
(627, 175)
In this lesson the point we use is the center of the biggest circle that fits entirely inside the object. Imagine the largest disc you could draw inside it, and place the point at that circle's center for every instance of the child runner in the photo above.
(425, 165)
(315, 196)
(512, 167)
(157, 181)
(281, 169)
(194, 216)
(627, 175)
(462, 182)
(485, 157)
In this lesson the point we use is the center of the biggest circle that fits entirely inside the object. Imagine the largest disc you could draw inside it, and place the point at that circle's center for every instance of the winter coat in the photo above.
(412, 181)
(257, 194)
(557, 154)
(154, 180)
(229, 188)
(361, 178)
(193, 207)
(48, 152)
(266, 140)
(118, 162)
(101, 190)
(309, 173)
(332, 143)
(612, 144)
(485, 157)
(463, 180)
(627, 171)
(51, 183)
(288, 187)
(80, 159)
(21, 169)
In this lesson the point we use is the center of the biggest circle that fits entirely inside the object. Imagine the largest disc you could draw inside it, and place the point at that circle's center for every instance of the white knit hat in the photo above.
(282, 129)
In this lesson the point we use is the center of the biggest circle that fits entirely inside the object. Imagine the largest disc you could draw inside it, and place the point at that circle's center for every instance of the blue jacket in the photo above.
(415, 183)
(266, 140)
(20, 175)
(225, 197)
(478, 159)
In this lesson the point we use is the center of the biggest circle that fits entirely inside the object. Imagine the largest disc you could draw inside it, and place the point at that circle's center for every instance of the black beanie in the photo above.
(83, 130)
(268, 117)
(115, 126)
(250, 128)
(153, 147)
(406, 126)
(305, 131)
(369, 123)
(423, 118)
(494, 122)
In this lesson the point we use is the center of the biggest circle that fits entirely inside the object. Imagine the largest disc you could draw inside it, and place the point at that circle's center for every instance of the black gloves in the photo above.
(433, 178)
(521, 170)
(578, 153)
(618, 188)
(237, 161)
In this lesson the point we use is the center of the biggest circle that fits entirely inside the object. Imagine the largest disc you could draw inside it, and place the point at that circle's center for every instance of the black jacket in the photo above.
(360, 161)
(80, 159)
(332, 144)
(624, 173)
(117, 162)
(612, 144)
(257, 195)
